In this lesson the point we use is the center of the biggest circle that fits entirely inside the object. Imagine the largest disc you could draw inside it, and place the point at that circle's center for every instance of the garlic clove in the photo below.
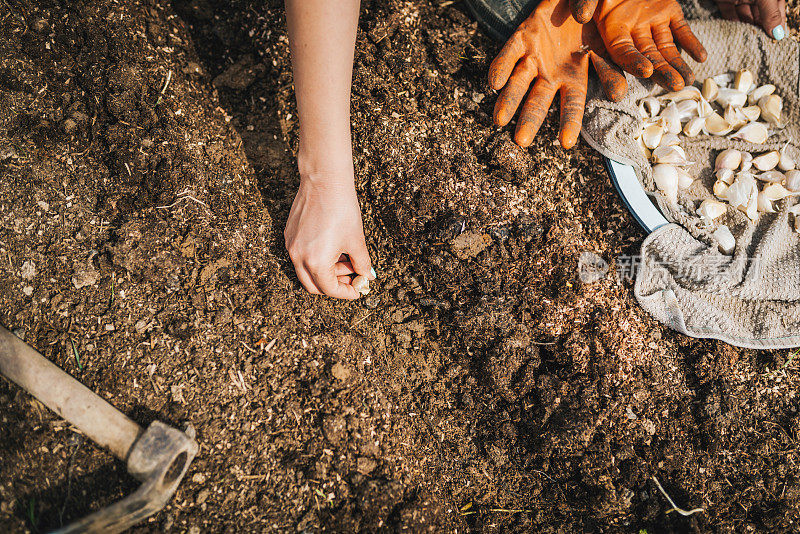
(686, 109)
(755, 132)
(759, 93)
(720, 188)
(735, 117)
(643, 113)
(710, 209)
(771, 107)
(786, 163)
(725, 175)
(725, 239)
(752, 205)
(738, 193)
(651, 106)
(704, 109)
(361, 284)
(710, 89)
(673, 154)
(764, 204)
(752, 113)
(694, 126)
(767, 161)
(670, 140)
(671, 119)
(689, 92)
(645, 150)
(793, 181)
(685, 180)
(652, 135)
(771, 176)
(743, 80)
(747, 162)
(716, 125)
(729, 158)
(776, 192)
(666, 179)
(731, 97)
(724, 79)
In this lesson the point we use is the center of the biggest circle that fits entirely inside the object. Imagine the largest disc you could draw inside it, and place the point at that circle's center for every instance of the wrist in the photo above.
(328, 166)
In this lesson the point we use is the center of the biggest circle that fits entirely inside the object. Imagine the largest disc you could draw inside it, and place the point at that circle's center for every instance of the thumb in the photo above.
(771, 18)
(583, 10)
(360, 259)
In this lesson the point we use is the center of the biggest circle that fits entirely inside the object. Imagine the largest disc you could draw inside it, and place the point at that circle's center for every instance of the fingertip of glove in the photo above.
(568, 140)
(617, 91)
(582, 14)
(524, 140)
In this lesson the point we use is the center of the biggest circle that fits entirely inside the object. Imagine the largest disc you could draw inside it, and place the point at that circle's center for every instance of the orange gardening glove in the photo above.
(553, 48)
(583, 10)
(640, 36)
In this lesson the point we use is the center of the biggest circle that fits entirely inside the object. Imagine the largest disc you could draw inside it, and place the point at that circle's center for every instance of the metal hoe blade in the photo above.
(158, 456)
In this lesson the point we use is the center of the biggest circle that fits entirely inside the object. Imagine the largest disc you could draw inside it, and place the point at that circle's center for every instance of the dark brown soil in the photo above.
(481, 387)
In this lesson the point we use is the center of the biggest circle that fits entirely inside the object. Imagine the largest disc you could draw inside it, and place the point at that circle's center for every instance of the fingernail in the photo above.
(374, 274)
(778, 32)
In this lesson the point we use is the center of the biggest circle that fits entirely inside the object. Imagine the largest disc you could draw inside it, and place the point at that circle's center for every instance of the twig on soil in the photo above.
(76, 440)
(186, 195)
(507, 511)
(675, 506)
(166, 84)
(251, 349)
(360, 320)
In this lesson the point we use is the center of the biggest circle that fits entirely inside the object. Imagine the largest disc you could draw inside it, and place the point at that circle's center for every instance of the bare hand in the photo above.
(769, 14)
(325, 236)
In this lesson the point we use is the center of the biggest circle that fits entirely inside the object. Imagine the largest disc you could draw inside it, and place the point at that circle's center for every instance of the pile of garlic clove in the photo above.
(731, 105)
(740, 173)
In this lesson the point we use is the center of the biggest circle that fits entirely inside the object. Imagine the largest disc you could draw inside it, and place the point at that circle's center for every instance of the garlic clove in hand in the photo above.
(361, 284)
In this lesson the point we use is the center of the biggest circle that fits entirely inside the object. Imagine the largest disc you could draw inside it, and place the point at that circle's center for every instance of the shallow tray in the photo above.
(634, 196)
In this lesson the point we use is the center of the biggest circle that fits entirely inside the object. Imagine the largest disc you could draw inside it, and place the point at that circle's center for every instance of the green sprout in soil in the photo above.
(77, 356)
(32, 513)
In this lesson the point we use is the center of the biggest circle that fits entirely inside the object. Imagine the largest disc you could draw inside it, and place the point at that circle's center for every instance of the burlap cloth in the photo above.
(752, 297)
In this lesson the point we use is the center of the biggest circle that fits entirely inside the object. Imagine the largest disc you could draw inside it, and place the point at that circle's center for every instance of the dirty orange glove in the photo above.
(553, 48)
(640, 36)
(583, 10)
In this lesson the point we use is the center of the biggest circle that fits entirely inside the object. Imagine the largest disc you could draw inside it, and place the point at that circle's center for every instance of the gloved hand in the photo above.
(551, 47)
(640, 36)
(769, 14)
(583, 10)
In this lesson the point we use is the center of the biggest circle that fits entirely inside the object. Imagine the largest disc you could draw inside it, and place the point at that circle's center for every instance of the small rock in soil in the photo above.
(241, 74)
(85, 278)
(340, 371)
(470, 244)
(365, 466)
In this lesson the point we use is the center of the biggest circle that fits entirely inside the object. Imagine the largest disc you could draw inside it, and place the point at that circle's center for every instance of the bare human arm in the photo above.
(325, 223)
